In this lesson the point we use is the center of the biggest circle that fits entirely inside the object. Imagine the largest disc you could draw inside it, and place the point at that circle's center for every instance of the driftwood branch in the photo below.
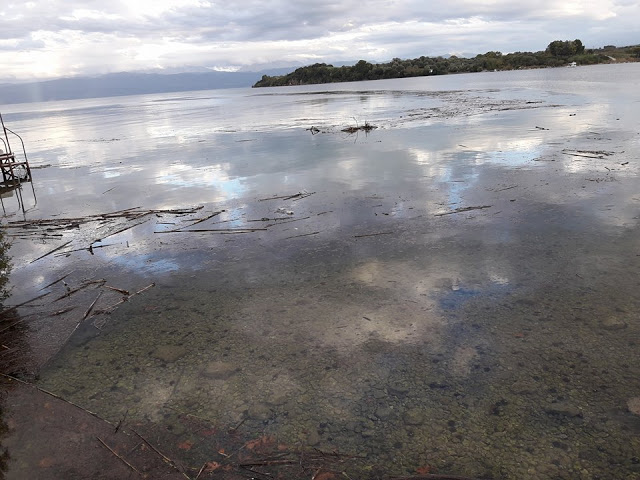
(372, 234)
(462, 209)
(506, 188)
(119, 290)
(215, 230)
(303, 235)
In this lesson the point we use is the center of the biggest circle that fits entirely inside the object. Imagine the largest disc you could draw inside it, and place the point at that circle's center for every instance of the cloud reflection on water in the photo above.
(441, 310)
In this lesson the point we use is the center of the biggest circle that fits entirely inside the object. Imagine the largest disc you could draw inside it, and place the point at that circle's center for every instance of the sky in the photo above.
(44, 39)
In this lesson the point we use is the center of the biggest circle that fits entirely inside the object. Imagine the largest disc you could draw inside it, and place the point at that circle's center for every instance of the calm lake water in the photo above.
(454, 291)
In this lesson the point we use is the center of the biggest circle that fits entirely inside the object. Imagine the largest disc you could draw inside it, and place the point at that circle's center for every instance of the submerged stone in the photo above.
(219, 370)
(613, 323)
(383, 413)
(413, 416)
(633, 404)
(313, 438)
(397, 389)
(563, 410)
(169, 353)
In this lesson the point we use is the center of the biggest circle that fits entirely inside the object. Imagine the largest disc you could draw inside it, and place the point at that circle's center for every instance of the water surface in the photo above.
(454, 291)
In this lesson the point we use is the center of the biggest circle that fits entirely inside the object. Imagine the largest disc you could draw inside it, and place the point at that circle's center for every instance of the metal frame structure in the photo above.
(15, 170)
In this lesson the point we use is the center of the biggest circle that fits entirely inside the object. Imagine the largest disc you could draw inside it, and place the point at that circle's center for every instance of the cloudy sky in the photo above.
(56, 38)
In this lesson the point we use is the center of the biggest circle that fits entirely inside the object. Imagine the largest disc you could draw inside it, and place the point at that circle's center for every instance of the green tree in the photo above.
(557, 54)
(578, 46)
(559, 48)
(361, 69)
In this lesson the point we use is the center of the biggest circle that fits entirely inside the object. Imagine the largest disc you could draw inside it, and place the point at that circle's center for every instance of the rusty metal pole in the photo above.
(6, 137)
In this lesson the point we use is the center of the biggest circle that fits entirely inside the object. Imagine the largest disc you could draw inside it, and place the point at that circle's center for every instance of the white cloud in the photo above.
(49, 38)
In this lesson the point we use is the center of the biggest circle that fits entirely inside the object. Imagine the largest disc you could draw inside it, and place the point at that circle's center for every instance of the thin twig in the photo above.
(120, 290)
(13, 324)
(506, 188)
(23, 303)
(303, 235)
(189, 414)
(108, 310)
(266, 463)
(372, 234)
(93, 414)
(122, 230)
(233, 430)
(337, 454)
(52, 251)
(164, 457)
(303, 196)
(219, 230)
(117, 212)
(434, 476)
(203, 219)
(125, 298)
(144, 289)
(462, 209)
(77, 289)
(580, 155)
(58, 280)
(88, 312)
(290, 221)
(265, 219)
(256, 472)
(121, 421)
(90, 249)
(204, 465)
(119, 457)
(286, 197)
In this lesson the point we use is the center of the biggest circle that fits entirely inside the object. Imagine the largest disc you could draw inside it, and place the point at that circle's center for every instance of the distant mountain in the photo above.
(127, 83)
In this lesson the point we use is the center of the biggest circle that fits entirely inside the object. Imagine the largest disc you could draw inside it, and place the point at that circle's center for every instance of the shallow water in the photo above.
(371, 317)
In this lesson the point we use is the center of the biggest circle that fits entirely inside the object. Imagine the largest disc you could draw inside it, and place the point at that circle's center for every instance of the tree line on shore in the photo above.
(558, 53)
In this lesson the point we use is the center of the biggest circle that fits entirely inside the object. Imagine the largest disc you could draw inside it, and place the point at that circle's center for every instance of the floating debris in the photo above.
(367, 127)
(462, 209)
(284, 210)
